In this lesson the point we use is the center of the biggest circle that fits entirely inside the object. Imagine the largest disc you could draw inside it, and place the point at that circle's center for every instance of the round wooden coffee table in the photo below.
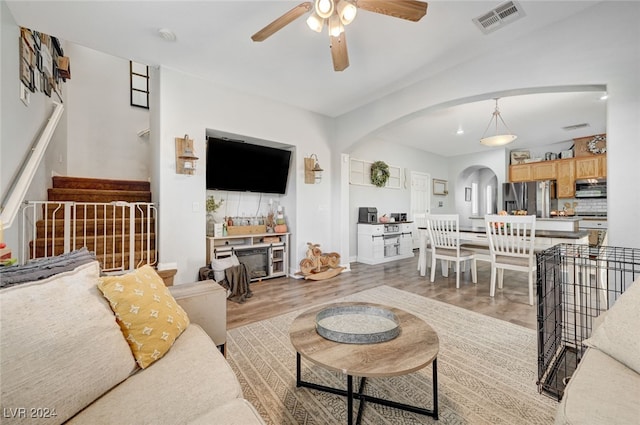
(413, 349)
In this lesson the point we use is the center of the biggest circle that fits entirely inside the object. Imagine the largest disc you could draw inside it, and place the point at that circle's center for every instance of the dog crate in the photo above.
(576, 283)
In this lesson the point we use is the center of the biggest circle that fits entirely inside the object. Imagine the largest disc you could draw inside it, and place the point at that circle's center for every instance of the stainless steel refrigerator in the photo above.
(537, 198)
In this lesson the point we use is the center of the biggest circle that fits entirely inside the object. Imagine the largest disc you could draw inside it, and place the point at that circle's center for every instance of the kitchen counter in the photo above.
(564, 224)
(559, 234)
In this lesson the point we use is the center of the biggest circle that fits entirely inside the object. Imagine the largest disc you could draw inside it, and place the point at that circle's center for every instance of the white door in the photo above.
(420, 201)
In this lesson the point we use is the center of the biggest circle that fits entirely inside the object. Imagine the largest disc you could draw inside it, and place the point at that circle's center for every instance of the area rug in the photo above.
(486, 371)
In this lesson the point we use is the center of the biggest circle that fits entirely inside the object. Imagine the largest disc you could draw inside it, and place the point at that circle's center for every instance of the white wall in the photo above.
(388, 200)
(601, 48)
(21, 126)
(181, 198)
(103, 127)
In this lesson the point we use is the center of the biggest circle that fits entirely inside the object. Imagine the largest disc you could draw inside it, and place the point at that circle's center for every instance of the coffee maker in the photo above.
(367, 215)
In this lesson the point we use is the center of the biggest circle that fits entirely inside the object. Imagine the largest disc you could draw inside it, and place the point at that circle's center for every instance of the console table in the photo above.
(270, 250)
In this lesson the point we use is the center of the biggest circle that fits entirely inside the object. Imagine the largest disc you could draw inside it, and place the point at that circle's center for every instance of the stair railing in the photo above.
(12, 199)
(121, 234)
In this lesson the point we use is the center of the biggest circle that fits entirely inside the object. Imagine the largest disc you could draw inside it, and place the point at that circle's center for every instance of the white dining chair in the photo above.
(420, 221)
(444, 237)
(511, 246)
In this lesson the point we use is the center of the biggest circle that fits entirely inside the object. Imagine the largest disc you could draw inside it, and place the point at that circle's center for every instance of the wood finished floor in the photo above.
(273, 297)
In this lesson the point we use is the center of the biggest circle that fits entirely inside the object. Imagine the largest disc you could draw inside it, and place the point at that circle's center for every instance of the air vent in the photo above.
(499, 17)
(575, 126)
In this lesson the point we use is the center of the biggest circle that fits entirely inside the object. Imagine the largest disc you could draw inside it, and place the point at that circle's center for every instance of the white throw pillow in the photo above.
(619, 334)
(219, 265)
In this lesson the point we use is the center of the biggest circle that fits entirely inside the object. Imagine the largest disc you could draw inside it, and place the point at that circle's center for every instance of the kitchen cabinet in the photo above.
(380, 243)
(591, 167)
(564, 171)
(545, 170)
(566, 178)
(520, 173)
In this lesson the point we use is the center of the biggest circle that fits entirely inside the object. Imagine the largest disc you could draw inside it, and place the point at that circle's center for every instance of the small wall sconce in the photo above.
(185, 156)
(312, 170)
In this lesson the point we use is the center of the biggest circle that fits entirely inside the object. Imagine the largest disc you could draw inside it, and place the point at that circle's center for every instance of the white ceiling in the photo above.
(294, 65)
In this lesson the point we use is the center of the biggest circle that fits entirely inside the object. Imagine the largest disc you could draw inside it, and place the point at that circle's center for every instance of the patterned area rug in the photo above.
(486, 371)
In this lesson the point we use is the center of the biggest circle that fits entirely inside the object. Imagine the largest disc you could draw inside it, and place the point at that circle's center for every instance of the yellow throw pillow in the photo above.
(148, 315)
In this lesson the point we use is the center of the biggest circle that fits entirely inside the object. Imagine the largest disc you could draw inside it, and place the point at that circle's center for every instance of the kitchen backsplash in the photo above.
(596, 205)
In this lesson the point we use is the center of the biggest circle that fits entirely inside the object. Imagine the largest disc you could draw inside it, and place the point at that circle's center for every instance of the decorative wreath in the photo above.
(593, 145)
(379, 173)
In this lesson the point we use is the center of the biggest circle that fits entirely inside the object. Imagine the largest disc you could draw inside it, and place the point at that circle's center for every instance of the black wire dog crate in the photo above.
(576, 283)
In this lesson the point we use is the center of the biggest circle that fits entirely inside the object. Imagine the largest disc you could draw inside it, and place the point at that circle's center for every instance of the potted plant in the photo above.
(212, 207)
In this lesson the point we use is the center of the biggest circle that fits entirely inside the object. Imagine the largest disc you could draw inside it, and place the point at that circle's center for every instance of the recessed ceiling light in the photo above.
(605, 96)
(460, 131)
(167, 34)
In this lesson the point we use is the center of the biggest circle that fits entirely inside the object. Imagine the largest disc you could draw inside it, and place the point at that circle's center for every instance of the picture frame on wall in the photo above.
(519, 157)
(440, 187)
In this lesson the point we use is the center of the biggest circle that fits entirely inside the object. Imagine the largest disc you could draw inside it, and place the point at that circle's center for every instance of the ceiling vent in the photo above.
(575, 126)
(499, 17)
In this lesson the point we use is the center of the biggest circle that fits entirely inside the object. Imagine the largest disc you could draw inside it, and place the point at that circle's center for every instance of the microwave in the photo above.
(591, 188)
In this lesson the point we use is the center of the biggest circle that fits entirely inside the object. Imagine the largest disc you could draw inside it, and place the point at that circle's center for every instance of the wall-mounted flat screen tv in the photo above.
(246, 167)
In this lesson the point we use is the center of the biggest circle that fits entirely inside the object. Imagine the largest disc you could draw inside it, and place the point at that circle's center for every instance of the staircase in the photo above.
(113, 218)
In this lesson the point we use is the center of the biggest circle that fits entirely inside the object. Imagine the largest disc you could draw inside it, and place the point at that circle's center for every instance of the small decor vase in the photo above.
(211, 224)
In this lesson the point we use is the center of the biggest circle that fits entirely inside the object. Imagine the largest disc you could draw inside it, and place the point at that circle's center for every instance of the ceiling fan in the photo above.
(338, 13)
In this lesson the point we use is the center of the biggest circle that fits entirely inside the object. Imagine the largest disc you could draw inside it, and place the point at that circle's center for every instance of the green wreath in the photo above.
(379, 173)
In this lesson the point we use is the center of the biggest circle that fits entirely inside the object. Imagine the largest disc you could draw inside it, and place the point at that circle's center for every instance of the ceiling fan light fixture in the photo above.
(499, 139)
(347, 11)
(324, 8)
(335, 26)
(315, 22)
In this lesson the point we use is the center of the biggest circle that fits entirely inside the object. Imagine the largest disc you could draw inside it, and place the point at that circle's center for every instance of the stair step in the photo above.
(114, 261)
(93, 226)
(97, 244)
(100, 184)
(92, 195)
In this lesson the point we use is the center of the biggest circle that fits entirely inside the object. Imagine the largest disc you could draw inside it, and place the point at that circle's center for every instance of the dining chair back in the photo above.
(444, 238)
(511, 246)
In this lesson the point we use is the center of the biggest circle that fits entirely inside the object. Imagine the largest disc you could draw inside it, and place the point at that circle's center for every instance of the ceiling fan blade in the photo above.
(411, 10)
(282, 21)
(339, 53)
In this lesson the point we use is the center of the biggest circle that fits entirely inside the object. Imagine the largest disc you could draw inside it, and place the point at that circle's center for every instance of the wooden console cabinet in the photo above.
(275, 252)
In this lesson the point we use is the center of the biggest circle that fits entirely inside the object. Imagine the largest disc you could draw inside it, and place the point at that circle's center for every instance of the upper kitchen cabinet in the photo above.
(566, 178)
(520, 173)
(591, 167)
(545, 170)
(591, 160)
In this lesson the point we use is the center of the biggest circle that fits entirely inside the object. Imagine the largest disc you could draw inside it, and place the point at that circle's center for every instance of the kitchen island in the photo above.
(560, 223)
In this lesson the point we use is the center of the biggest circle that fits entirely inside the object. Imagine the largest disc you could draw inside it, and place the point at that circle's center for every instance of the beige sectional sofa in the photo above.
(605, 387)
(64, 359)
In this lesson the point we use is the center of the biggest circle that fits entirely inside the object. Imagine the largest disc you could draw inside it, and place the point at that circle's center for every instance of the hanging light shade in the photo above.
(315, 22)
(347, 11)
(324, 8)
(499, 138)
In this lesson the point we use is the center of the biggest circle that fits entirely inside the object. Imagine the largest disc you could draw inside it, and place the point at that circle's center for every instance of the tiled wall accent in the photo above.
(589, 205)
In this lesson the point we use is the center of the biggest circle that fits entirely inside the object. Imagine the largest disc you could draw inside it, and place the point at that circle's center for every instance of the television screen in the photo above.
(240, 166)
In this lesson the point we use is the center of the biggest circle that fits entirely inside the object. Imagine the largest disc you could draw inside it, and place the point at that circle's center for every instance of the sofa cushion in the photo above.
(234, 412)
(61, 346)
(149, 316)
(601, 391)
(618, 335)
(192, 378)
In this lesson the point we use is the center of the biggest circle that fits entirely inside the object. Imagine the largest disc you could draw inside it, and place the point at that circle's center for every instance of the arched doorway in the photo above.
(476, 193)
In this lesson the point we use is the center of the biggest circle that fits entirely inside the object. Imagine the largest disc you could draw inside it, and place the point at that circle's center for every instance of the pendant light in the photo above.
(324, 8)
(498, 139)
